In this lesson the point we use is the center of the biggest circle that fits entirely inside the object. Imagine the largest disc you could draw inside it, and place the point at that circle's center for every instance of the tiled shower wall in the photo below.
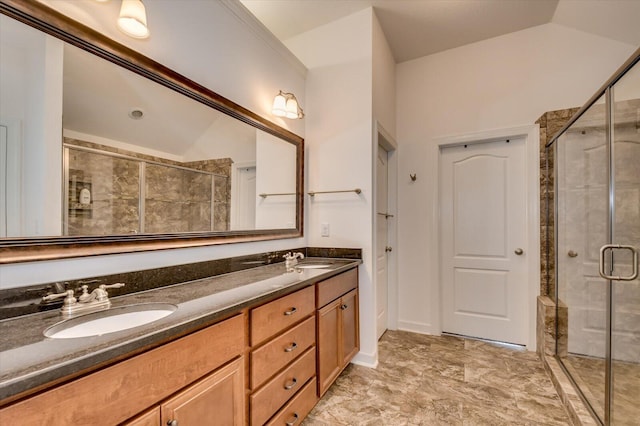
(177, 200)
(550, 123)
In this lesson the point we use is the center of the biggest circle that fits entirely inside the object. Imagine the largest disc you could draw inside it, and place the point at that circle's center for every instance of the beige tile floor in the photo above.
(427, 380)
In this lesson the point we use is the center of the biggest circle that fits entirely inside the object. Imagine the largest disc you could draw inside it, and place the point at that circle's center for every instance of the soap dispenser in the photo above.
(85, 196)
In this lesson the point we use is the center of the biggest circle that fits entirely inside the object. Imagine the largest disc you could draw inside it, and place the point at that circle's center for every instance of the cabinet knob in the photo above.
(294, 420)
(344, 306)
(172, 422)
(291, 311)
(291, 347)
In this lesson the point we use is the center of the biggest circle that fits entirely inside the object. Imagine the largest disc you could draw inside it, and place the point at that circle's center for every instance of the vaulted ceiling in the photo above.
(416, 28)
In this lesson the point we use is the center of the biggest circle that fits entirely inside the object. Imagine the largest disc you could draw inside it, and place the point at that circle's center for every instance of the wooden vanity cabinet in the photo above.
(338, 332)
(215, 400)
(148, 418)
(283, 357)
(141, 383)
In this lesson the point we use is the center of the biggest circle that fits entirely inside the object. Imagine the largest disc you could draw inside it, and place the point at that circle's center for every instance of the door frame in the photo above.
(14, 174)
(531, 134)
(384, 138)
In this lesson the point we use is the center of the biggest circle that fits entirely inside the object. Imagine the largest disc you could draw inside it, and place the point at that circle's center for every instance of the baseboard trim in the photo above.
(417, 327)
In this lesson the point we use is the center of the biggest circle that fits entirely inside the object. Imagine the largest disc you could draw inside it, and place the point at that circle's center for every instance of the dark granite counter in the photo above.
(30, 361)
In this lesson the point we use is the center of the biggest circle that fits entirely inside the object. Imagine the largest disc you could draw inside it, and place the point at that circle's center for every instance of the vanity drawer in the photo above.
(334, 287)
(266, 401)
(268, 320)
(270, 358)
(298, 407)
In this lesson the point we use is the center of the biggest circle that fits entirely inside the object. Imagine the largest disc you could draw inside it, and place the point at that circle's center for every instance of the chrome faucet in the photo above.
(97, 300)
(292, 259)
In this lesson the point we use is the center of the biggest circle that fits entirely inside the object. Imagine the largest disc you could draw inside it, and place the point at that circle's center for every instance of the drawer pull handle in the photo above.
(343, 307)
(290, 386)
(172, 423)
(291, 348)
(291, 311)
(294, 421)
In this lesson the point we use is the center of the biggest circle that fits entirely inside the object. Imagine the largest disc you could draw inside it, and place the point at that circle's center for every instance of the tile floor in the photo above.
(589, 374)
(427, 380)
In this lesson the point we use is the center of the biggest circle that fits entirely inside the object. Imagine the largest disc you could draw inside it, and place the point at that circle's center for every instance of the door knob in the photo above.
(572, 253)
(518, 251)
(388, 249)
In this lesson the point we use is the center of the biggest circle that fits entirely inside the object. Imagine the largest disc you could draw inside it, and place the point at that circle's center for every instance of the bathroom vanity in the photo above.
(259, 346)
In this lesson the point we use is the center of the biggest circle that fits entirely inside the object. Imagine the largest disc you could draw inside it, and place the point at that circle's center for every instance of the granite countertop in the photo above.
(30, 361)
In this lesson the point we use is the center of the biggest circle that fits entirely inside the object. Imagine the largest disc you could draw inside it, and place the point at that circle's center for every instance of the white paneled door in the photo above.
(3, 180)
(382, 238)
(483, 240)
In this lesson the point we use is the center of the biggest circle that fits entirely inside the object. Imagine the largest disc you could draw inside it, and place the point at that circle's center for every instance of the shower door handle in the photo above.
(634, 262)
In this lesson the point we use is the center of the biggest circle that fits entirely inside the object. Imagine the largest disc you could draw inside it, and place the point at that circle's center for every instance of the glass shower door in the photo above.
(582, 186)
(625, 293)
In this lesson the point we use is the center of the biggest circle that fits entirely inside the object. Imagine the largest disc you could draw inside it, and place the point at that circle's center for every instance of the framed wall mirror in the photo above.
(106, 151)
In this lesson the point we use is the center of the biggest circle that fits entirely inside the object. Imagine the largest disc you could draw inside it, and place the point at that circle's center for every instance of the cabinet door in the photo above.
(217, 400)
(350, 335)
(329, 348)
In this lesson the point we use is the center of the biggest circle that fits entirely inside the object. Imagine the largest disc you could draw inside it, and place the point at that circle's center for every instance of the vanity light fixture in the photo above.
(133, 19)
(286, 105)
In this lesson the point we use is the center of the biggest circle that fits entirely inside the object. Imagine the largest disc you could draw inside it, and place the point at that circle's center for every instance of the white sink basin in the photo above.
(110, 321)
(312, 265)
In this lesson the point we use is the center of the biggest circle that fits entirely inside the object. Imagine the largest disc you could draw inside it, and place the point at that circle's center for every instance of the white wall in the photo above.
(31, 87)
(384, 80)
(339, 147)
(210, 43)
(275, 174)
(502, 82)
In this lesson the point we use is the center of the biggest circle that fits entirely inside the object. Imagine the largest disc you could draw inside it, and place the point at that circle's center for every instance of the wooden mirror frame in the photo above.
(54, 23)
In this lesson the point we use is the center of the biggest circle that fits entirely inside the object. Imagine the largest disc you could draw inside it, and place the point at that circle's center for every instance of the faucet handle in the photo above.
(69, 299)
(106, 286)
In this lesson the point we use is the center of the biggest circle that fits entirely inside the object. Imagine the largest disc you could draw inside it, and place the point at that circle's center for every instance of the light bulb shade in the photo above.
(133, 19)
(286, 105)
(292, 108)
(279, 108)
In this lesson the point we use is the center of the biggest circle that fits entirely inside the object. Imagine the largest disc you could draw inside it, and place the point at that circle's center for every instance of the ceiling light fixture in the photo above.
(133, 19)
(286, 105)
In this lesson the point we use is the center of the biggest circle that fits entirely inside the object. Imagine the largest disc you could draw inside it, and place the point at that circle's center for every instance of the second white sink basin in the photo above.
(110, 321)
(312, 265)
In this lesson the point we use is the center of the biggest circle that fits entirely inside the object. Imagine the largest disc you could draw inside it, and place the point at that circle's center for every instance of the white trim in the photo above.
(366, 360)
(389, 143)
(531, 133)
(252, 23)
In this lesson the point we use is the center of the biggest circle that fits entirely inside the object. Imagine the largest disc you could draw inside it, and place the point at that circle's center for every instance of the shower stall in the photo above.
(596, 215)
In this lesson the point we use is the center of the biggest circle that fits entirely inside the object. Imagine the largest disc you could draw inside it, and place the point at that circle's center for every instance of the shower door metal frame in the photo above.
(607, 91)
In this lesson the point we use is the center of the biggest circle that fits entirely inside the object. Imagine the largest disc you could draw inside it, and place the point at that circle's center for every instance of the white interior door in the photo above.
(483, 236)
(382, 238)
(245, 214)
(3, 180)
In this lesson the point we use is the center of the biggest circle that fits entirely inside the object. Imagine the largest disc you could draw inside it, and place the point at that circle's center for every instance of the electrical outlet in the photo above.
(324, 230)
